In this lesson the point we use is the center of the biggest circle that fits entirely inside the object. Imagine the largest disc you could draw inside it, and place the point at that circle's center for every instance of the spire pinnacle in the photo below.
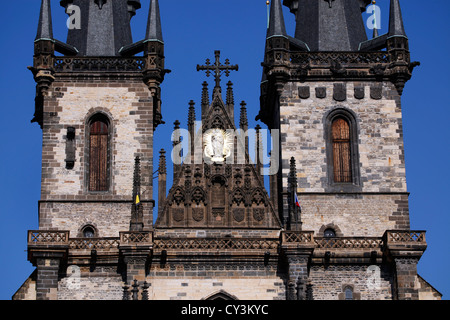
(137, 179)
(277, 26)
(243, 121)
(191, 115)
(154, 29)
(45, 29)
(136, 223)
(230, 95)
(162, 162)
(396, 27)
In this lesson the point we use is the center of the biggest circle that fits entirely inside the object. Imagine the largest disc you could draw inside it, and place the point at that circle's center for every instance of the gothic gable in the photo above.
(218, 192)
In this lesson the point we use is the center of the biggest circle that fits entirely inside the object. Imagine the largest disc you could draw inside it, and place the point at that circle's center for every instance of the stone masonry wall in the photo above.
(380, 201)
(355, 215)
(71, 102)
(380, 137)
(367, 282)
(80, 284)
(245, 283)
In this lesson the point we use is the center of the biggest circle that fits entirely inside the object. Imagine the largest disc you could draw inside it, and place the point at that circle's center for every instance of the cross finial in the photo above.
(218, 68)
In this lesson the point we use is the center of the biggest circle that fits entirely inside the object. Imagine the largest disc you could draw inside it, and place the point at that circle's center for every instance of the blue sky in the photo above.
(192, 31)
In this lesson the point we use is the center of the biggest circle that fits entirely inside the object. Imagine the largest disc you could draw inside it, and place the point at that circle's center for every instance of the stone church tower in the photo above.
(333, 96)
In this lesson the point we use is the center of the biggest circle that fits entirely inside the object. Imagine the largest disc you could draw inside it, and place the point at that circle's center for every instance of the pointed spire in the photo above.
(205, 99)
(259, 150)
(162, 168)
(230, 95)
(137, 178)
(277, 26)
(176, 158)
(396, 27)
(154, 29)
(243, 121)
(137, 213)
(205, 94)
(191, 116)
(294, 212)
(45, 28)
(162, 180)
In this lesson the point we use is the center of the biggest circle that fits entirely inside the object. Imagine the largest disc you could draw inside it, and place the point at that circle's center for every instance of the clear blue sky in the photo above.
(192, 31)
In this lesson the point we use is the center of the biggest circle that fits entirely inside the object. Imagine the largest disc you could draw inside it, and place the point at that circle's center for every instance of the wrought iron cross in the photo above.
(330, 3)
(218, 68)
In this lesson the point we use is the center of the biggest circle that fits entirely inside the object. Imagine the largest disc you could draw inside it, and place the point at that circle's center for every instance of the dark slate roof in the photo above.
(277, 26)
(154, 29)
(330, 25)
(396, 27)
(45, 29)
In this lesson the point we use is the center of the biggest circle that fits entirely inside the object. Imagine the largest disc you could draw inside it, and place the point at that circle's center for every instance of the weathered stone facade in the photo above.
(71, 103)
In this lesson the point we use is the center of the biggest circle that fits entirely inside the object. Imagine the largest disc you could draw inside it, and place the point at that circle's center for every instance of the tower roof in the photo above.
(277, 26)
(396, 27)
(154, 29)
(329, 25)
(45, 29)
(104, 26)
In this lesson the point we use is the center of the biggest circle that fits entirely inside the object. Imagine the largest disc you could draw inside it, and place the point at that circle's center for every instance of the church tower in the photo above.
(335, 98)
(98, 104)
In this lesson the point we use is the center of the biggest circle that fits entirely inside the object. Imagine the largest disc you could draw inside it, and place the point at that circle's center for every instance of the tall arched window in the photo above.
(342, 160)
(98, 153)
(342, 155)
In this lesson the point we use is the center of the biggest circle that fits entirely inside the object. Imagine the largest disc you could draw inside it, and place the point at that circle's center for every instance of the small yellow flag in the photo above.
(137, 199)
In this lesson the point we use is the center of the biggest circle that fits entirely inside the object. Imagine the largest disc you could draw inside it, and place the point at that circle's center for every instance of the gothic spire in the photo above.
(243, 121)
(45, 29)
(137, 178)
(205, 99)
(294, 212)
(162, 168)
(396, 27)
(154, 29)
(230, 95)
(277, 26)
(137, 213)
(191, 116)
(104, 26)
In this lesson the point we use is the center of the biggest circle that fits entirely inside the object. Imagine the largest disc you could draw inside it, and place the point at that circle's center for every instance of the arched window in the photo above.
(342, 160)
(98, 153)
(88, 232)
(348, 293)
